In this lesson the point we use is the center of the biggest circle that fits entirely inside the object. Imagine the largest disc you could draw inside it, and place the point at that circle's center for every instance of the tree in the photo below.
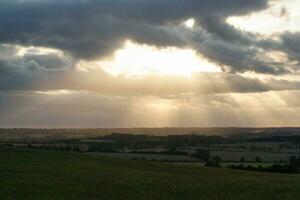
(257, 159)
(216, 159)
(214, 162)
(202, 154)
(242, 159)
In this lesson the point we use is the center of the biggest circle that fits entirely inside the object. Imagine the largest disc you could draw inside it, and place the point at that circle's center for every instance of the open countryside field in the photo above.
(38, 174)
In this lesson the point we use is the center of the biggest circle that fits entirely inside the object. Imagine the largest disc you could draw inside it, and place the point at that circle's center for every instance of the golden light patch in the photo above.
(136, 60)
(190, 23)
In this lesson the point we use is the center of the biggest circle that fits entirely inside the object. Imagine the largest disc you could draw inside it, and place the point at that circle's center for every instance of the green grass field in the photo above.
(36, 174)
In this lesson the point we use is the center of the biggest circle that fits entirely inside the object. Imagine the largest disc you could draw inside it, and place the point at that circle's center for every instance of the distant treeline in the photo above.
(289, 138)
(116, 141)
(192, 139)
(292, 167)
(188, 135)
(178, 140)
(276, 168)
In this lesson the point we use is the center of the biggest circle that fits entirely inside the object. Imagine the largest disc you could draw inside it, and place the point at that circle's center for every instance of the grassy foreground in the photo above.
(35, 174)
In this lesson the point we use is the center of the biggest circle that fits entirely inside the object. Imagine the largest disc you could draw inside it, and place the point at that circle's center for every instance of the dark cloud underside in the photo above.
(60, 35)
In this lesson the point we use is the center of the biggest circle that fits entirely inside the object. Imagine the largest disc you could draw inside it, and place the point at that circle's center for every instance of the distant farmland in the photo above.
(38, 174)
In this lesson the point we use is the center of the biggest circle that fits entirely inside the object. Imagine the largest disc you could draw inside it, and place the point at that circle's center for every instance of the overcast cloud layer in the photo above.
(50, 47)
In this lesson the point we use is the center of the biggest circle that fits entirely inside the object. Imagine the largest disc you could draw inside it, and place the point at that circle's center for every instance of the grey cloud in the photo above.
(284, 12)
(291, 45)
(284, 84)
(53, 71)
(94, 28)
(221, 29)
(7, 52)
(25, 75)
(90, 29)
(238, 58)
(28, 74)
(49, 60)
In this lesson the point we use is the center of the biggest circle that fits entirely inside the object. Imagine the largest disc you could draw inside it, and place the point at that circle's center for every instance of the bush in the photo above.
(214, 162)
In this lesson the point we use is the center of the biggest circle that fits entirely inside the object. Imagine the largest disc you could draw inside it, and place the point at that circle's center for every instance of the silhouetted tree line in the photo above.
(291, 138)
(175, 153)
(292, 167)
(56, 147)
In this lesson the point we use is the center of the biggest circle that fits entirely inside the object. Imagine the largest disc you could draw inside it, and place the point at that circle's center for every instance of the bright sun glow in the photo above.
(135, 59)
(190, 23)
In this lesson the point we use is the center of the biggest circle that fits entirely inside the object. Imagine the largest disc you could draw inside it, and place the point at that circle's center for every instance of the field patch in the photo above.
(38, 174)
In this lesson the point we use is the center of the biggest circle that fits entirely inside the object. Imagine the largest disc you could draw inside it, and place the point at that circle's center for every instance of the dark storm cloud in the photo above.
(90, 28)
(291, 45)
(32, 70)
(239, 58)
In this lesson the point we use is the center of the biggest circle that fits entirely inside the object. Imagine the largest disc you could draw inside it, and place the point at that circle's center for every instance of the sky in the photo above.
(149, 63)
